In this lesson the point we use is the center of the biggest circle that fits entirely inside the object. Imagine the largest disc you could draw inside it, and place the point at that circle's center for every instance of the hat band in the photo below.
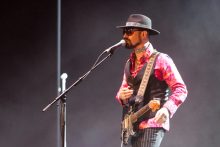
(136, 24)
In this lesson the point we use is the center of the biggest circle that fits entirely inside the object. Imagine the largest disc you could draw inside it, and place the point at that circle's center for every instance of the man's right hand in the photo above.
(125, 93)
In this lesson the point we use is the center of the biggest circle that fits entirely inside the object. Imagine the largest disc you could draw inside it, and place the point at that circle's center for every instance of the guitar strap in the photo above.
(145, 79)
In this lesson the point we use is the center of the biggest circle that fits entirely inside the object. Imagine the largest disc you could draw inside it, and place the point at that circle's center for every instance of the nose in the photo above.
(125, 36)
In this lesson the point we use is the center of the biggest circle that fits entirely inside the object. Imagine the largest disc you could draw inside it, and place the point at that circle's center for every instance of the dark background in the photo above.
(190, 34)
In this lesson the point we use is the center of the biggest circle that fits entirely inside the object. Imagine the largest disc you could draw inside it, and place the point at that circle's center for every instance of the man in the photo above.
(165, 82)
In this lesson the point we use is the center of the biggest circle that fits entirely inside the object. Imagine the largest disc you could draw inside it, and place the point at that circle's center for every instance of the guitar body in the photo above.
(133, 116)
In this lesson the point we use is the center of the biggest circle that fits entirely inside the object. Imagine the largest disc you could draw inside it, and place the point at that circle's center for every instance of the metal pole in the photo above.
(63, 111)
(58, 67)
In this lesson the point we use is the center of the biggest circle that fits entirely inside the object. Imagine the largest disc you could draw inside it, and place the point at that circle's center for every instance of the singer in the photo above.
(165, 83)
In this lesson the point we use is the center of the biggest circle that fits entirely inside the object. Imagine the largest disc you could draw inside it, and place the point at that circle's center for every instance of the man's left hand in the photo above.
(162, 115)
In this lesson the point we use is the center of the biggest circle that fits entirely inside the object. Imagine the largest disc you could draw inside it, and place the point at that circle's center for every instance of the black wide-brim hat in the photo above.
(140, 21)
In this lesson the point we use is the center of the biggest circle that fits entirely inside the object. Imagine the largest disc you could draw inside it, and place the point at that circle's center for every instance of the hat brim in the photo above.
(151, 31)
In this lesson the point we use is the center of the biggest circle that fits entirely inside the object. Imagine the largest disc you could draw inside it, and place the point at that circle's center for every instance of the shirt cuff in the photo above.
(171, 106)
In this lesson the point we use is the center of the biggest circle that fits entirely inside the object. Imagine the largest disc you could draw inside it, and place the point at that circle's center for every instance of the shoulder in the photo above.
(163, 60)
(163, 56)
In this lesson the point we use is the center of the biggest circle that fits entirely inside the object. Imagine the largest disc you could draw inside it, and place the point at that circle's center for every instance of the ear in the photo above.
(144, 34)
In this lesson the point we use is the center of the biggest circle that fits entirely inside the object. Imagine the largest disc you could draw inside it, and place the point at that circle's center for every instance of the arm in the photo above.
(174, 80)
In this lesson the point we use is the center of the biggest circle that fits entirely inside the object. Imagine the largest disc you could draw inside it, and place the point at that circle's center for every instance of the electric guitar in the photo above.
(132, 117)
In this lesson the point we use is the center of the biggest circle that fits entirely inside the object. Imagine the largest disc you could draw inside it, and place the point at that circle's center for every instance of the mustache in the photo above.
(128, 43)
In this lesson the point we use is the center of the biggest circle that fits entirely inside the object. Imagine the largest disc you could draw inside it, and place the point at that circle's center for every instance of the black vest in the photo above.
(155, 89)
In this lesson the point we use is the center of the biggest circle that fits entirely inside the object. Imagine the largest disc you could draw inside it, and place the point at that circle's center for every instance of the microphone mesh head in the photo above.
(123, 42)
(64, 76)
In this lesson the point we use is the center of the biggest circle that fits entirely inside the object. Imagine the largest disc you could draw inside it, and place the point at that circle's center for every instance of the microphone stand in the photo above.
(63, 112)
(63, 97)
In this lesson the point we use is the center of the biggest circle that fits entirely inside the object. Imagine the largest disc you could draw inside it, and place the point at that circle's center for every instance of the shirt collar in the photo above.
(149, 49)
(148, 52)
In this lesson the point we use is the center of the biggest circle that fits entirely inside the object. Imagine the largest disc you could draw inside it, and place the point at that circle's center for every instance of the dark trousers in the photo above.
(150, 137)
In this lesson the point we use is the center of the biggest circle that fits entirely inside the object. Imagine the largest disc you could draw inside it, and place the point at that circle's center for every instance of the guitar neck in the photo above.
(140, 112)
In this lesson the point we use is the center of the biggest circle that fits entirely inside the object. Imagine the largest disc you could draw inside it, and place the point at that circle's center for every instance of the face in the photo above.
(133, 37)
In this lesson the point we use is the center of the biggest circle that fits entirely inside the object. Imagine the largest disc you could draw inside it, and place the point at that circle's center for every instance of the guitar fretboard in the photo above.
(139, 113)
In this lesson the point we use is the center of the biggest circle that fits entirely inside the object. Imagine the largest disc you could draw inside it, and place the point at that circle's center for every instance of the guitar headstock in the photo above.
(154, 104)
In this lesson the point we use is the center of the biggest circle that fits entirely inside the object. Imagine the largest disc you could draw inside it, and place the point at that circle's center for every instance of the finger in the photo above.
(164, 116)
(158, 116)
(161, 119)
(123, 89)
(124, 96)
(157, 119)
(127, 92)
(127, 95)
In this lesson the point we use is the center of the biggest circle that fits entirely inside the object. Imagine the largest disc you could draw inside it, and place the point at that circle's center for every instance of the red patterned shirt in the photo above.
(166, 70)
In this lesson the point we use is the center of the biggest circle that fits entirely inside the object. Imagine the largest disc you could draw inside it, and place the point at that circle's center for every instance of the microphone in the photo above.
(114, 47)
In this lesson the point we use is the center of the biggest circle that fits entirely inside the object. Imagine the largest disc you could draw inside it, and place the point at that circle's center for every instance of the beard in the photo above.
(129, 44)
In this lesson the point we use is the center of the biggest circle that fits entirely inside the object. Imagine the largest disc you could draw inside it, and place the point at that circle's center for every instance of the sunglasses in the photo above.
(130, 31)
